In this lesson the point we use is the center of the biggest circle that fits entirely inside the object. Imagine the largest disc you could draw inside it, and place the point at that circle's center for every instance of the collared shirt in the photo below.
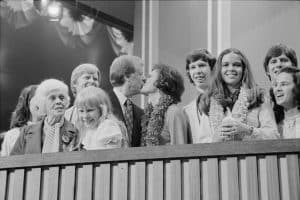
(121, 97)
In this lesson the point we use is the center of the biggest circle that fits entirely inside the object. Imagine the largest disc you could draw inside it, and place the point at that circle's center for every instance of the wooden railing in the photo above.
(257, 170)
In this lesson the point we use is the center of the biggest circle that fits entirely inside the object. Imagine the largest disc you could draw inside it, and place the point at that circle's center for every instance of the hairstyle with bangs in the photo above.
(93, 97)
(219, 90)
(295, 73)
(21, 114)
(278, 50)
(86, 68)
(199, 54)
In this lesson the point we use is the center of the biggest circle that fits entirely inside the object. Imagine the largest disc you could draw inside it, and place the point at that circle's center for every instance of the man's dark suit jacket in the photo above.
(137, 115)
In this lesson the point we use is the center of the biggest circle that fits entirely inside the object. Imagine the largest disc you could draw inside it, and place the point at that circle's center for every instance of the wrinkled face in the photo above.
(85, 80)
(56, 103)
(200, 73)
(232, 69)
(136, 80)
(89, 116)
(283, 86)
(276, 63)
(149, 86)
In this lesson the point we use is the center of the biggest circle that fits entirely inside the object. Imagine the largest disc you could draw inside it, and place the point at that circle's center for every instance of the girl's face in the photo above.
(89, 116)
(283, 90)
(232, 69)
(149, 86)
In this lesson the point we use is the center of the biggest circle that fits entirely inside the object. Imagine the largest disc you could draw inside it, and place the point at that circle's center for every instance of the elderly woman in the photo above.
(234, 93)
(99, 128)
(25, 113)
(199, 67)
(286, 88)
(53, 133)
(164, 123)
(82, 76)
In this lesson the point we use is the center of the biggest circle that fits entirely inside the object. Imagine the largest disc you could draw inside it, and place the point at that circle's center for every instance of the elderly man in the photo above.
(83, 75)
(126, 77)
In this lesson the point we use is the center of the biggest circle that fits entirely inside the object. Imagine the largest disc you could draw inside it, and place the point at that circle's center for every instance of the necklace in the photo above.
(239, 110)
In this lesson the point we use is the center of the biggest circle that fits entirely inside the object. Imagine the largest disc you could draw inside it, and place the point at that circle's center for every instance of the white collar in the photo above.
(121, 97)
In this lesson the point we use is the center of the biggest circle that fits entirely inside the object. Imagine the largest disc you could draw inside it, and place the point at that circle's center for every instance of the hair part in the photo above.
(219, 90)
(91, 97)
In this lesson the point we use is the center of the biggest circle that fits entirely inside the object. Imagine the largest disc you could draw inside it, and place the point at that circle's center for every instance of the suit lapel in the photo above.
(116, 106)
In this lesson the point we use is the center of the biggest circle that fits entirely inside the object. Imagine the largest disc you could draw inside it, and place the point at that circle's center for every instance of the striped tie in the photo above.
(128, 115)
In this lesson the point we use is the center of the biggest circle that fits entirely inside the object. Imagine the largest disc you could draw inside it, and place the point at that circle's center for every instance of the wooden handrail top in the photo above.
(154, 153)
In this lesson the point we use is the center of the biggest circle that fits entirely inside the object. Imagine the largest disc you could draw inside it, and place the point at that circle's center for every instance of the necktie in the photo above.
(128, 115)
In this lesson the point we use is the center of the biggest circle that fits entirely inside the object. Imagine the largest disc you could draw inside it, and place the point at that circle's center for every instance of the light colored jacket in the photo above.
(199, 130)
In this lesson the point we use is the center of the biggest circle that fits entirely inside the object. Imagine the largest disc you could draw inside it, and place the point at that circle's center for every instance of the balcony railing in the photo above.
(254, 170)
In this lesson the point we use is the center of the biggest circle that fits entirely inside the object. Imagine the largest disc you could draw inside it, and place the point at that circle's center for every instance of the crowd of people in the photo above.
(229, 106)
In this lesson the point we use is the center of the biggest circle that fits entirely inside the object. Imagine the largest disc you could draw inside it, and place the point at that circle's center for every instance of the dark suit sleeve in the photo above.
(19, 147)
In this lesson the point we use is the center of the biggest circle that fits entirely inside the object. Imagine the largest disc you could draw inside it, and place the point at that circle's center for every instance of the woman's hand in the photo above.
(233, 128)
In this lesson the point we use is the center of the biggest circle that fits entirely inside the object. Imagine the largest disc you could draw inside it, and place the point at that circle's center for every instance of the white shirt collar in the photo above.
(121, 97)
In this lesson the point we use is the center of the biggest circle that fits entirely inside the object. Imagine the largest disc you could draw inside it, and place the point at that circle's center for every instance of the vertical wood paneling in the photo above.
(16, 184)
(155, 190)
(173, 180)
(191, 179)
(120, 181)
(50, 183)
(249, 178)
(210, 174)
(289, 177)
(3, 184)
(269, 184)
(33, 184)
(138, 181)
(84, 182)
(229, 179)
(102, 182)
(294, 176)
(67, 183)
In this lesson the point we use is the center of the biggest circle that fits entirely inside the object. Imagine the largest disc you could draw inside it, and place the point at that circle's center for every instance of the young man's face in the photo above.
(200, 73)
(276, 63)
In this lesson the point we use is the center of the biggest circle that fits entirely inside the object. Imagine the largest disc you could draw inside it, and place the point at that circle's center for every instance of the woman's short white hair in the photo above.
(79, 71)
(48, 85)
